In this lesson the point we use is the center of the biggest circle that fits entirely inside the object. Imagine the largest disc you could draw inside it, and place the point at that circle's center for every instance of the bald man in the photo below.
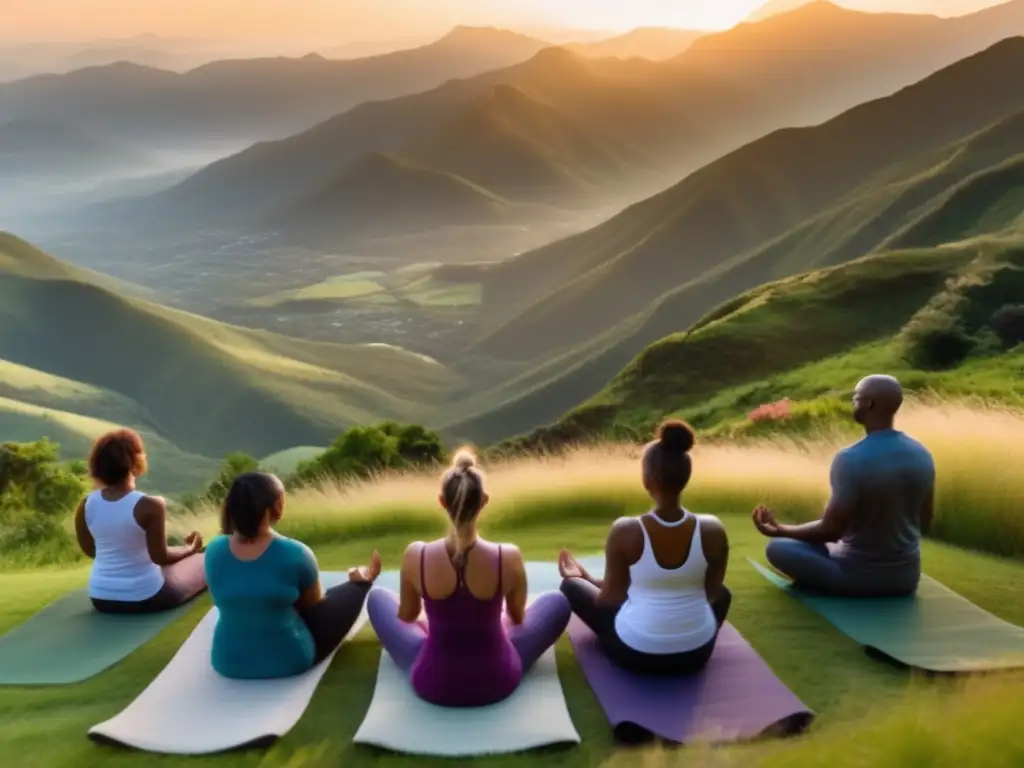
(868, 542)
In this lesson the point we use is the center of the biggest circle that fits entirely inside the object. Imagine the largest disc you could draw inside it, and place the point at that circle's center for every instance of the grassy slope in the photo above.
(201, 383)
(803, 338)
(556, 297)
(868, 713)
(172, 470)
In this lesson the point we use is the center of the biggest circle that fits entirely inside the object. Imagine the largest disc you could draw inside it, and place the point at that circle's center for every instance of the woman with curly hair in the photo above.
(124, 532)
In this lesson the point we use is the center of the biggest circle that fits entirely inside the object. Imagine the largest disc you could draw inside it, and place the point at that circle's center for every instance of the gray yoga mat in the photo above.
(191, 710)
(70, 641)
(536, 715)
(935, 629)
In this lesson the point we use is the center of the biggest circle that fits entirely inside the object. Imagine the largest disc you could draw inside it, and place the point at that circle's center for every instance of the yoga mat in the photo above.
(70, 641)
(535, 715)
(191, 710)
(735, 697)
(935, 630)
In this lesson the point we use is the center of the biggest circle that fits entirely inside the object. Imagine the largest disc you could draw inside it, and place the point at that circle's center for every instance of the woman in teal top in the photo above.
(274, 618)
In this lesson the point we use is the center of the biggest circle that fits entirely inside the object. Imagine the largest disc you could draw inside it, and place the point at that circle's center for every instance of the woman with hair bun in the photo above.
(274, 618)
(124, 531)
(466, 654)
(663, 599)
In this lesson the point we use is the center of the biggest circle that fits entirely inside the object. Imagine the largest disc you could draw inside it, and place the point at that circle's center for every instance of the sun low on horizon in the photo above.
(341, 20)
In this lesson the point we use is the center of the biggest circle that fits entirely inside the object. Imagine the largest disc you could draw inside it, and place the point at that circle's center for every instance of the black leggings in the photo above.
(601, 620)
(182, 581)
(330, 620)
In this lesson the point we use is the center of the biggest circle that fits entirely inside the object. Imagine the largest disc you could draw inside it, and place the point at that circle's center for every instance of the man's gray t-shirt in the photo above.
(885, 479)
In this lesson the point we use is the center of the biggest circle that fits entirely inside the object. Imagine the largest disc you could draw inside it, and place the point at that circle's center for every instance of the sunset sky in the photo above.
(356, 20)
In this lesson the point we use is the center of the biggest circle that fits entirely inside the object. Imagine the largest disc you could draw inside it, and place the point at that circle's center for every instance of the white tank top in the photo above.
(122, 569)
(667, 610)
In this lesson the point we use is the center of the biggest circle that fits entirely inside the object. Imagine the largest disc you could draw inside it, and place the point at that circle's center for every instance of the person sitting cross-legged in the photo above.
(124, 531)
(663, 599)
(868, 542)
(274, 618)
(466, 654)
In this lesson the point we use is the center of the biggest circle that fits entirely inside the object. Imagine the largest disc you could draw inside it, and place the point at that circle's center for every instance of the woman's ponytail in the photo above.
(463, 488)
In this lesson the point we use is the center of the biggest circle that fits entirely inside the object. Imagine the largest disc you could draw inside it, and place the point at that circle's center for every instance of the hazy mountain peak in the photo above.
(781, 7)
(467, 35)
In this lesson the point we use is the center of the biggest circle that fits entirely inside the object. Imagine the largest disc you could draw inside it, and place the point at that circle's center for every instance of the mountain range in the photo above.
(896, 173)
(887, 237)
(566, 130)
(250, 99)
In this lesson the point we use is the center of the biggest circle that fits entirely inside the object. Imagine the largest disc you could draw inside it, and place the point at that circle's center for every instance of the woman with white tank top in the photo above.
(663, 599)
(124, 532)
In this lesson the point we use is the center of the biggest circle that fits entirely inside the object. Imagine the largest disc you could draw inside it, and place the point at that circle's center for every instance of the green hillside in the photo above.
(549, 300)
(928, 316)
(382, 195)
(967, 188)
(204, 386)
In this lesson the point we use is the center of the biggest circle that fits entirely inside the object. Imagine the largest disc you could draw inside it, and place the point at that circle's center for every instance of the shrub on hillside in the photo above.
(37, 495)
(935, 340)
(1008, 323)
(363, 451)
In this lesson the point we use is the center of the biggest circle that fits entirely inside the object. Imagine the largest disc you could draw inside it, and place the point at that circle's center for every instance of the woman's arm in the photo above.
(85, 540)
(514, 574)
(311, 591)
(615, 584)
(151, 514)
(715, 543)
(411, 602)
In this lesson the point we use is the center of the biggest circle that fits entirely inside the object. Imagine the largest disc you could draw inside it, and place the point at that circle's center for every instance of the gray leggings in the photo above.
(812, 567)
(182, 581)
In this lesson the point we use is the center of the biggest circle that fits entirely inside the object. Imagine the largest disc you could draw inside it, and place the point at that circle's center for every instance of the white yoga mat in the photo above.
(535, 715)
(191, 710)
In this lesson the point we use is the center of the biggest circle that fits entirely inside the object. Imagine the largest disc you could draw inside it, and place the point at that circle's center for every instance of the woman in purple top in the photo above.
(469, 652)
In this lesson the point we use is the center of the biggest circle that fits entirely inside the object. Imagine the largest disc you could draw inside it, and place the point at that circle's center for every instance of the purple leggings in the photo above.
(545, 621)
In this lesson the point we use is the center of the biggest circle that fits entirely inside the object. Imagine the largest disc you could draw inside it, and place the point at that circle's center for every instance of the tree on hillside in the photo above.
(37, 494)
(362, 451)
(234, 464)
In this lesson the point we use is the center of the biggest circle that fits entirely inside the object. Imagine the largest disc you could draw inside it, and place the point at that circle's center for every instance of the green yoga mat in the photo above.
(69, 641)
(935, 630)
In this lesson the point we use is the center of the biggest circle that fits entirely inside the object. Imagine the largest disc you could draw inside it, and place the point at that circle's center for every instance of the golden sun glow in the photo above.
(344, 20)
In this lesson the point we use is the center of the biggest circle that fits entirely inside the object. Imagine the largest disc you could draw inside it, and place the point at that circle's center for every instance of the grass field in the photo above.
(415, 284)
(868, 713)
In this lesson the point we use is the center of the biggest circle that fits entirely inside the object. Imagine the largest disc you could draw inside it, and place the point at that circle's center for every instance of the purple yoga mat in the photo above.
(735, 697)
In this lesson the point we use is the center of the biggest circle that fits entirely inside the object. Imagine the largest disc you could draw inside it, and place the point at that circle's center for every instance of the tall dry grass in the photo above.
(978, 452)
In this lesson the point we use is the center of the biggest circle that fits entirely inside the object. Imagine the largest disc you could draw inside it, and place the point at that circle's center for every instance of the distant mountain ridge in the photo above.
(655, 43)
(253, 98)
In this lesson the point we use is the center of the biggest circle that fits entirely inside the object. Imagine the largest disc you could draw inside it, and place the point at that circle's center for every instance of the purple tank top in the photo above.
(467, 659)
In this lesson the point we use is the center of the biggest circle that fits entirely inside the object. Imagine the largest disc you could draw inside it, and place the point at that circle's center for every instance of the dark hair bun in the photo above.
(676, 437)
